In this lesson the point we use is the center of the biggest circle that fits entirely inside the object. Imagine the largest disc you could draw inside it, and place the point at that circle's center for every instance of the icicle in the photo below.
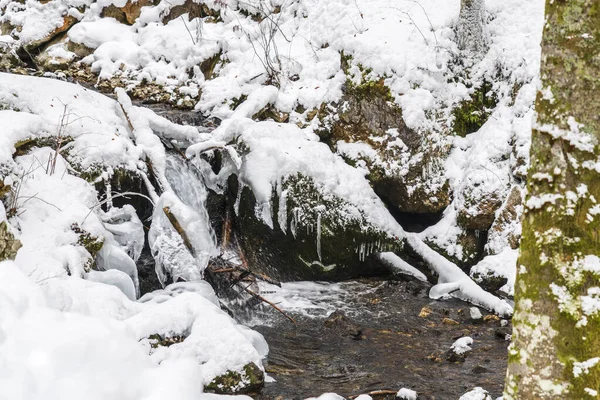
(109, 200)
(294, 223)
(282, 212)
(319, 236)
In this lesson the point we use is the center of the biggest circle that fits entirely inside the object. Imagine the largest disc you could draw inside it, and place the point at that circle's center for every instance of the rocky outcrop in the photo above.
(319, 237)
(367, 128)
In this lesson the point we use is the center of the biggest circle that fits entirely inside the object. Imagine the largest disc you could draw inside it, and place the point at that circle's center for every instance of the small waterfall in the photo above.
(181, 237)
(187, 182)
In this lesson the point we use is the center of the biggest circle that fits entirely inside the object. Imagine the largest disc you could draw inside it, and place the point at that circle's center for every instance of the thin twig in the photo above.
(259, 297)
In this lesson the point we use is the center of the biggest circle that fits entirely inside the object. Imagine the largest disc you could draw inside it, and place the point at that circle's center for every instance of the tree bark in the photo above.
(556, 336)
(472, 34)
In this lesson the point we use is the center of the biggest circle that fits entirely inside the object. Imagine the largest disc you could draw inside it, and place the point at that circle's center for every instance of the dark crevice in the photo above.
(416, 222)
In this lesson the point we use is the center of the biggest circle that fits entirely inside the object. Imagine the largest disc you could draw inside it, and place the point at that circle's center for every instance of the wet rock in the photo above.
(8, 244)
(339, 322)
(460, 349)
(249, 380)
(503, 333)
(480, 370)
(450, 321)
(476, 316)
(407, 173)
(318, 238)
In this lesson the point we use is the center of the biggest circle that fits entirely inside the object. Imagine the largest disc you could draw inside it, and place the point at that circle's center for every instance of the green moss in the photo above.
(236, 101)
(24, 146)
(249, 380)
(293, 253)
(93, 244)
(208, 66)
(157, 340)
(470, 115)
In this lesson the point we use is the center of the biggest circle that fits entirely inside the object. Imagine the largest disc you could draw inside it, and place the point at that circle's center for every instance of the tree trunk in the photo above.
(472, 35)
(557, 312)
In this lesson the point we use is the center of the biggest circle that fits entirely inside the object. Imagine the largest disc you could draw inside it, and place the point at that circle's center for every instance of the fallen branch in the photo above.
(376, 393)
(177, 226)
(259, 297)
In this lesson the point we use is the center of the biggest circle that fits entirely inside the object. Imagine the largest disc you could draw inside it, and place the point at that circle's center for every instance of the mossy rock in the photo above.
(249, 380)
(9, 246)
(24, 146)
(506, 226)
(156, 340)
(317, 236)
(367, 113)
(92, 244)
(470, 115)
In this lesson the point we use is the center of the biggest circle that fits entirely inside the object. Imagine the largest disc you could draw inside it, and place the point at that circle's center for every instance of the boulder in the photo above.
(367, 128)
(249, 380)
(477, 201)
(320, 237)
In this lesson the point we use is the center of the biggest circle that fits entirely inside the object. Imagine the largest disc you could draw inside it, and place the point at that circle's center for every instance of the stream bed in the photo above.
(383, 335)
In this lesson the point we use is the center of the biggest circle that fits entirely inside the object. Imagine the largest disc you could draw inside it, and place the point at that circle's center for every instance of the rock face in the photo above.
(368, 130)
(8, 244)
(315, 240)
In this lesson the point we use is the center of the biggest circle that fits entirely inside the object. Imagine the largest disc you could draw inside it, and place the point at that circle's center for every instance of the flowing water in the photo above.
(360, 336)
(383, 335)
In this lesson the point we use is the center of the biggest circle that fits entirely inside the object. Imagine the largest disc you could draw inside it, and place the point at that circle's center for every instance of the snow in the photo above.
(452, 280)
(401, 266)
(580, 368)
(462, 345)
(476, 394)
(106, 360)
(94, 343)
(406, 394)
(475, 313)
(327, 396)
(503, 265)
